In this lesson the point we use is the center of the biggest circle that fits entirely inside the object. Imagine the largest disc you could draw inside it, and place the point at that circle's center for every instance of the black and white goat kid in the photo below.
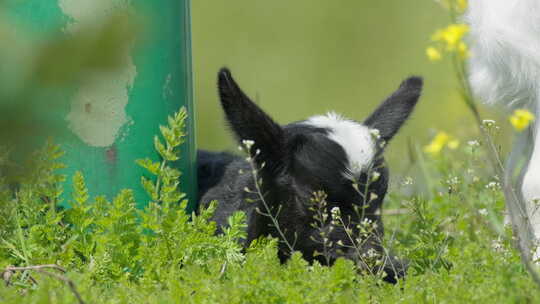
(295, 164)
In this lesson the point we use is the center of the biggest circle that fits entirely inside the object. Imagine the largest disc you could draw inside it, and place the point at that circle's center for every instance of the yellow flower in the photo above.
(441, 140)
(433, 148)
(433, 54)
(451, 35)
(437, 143)
(463, 50)
(521, 118)
(461, 5)
(453, 144)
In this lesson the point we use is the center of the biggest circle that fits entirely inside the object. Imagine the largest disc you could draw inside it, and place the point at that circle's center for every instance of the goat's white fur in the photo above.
(355, 138)
(505, 69)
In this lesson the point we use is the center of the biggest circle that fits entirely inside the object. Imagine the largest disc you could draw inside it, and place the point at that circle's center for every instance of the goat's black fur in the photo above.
(293, 162)
(211, 168)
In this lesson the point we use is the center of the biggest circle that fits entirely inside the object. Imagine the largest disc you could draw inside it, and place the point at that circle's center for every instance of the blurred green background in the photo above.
(294, 58)
(305, 57)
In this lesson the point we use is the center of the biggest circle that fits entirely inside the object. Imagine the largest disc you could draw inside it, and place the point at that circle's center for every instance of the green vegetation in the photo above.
(444, 211)
(113, 253)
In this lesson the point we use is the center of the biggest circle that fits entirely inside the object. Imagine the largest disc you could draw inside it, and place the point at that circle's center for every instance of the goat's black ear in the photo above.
(394, 111)
(249, 122)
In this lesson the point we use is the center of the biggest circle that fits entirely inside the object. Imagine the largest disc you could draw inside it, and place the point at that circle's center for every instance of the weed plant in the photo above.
(101, 251)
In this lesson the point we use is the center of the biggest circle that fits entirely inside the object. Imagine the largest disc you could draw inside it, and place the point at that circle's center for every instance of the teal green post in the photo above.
(112, 118)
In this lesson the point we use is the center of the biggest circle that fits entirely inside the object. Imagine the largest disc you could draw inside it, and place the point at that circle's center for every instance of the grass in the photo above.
(445, 217)
(452, 233)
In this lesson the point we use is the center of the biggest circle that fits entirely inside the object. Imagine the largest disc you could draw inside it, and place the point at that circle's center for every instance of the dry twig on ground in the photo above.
(8, 273)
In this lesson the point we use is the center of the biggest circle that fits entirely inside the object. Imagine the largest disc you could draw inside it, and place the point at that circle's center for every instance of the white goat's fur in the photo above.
(355, 138)
(505, 62)
(505, 69)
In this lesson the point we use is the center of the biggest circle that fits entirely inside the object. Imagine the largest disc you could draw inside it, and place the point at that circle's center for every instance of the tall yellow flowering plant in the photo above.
(449, 41)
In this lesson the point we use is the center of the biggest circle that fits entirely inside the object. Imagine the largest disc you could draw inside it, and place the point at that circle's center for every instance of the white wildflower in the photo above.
(248, 143)
(375, 176)
(408, 181)
(488, 122)
(493, 186)
(497, 245)
(473, 143)
(335, 212)
(375, 133)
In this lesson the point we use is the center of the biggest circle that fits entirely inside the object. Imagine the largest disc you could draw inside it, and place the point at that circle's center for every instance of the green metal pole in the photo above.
(112, 118)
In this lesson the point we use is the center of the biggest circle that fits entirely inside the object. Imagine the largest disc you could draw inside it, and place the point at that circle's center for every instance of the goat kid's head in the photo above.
(328, 153)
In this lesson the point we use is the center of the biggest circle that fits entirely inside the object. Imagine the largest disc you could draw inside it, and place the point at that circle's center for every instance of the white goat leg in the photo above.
(530, 187)
(505, 69)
